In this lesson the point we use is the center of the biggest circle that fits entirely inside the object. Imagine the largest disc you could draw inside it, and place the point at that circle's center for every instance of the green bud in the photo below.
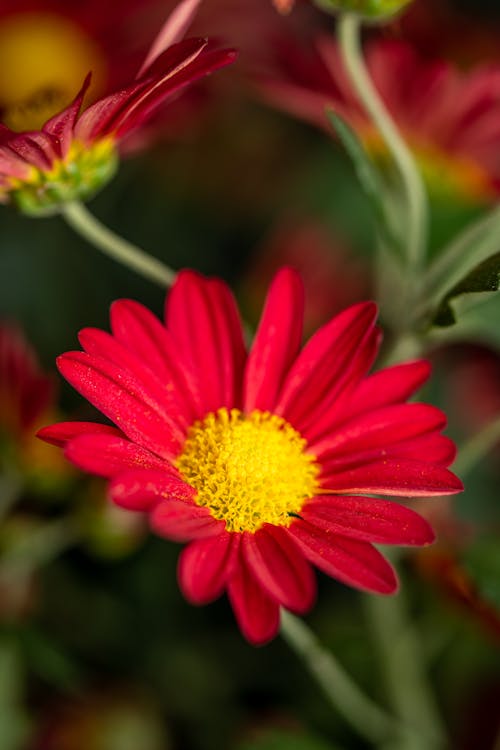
(84, 171)
(369, 10)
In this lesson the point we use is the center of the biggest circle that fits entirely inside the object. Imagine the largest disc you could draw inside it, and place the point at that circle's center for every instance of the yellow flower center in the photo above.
(44, 58)
(249, 469)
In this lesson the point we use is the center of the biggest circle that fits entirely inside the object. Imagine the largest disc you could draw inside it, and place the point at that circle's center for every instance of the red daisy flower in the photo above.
(75, 153)
(450, 118)
(262, 462)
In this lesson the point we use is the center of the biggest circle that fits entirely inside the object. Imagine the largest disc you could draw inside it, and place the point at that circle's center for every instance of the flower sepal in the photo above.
(78, 177)
(369, 10)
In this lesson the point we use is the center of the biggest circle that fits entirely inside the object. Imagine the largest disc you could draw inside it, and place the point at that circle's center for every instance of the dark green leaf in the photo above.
(484, 278)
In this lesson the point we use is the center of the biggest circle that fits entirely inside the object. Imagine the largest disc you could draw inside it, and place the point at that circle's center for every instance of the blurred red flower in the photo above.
(450, 118)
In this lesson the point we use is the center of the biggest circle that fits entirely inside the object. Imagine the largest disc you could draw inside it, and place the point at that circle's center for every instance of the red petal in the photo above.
(35, 148)
(183, 521)
(60, 127)
(434, 448)
(380, 428)
(107, 455)
(368, 520)
(322, 369)
(353, 562)
(120, 112)
(172, 31)
(143, 489)
(59, 434)
(258, 615)
(141, 332)
(12, 165)
(124, 400)
(204, 321)
(324, 418)
(276, 342)
(205, 566)
(100, 344)
(280, 567)
(393, 385)
(392, 477)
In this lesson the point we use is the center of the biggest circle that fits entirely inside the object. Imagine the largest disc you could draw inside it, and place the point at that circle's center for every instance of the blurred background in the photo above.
(98, 649)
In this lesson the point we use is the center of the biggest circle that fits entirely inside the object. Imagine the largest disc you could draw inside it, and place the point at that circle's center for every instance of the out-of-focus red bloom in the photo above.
(333, 278)
(26, 393)
(260, 461)
(75, 153)
(451, 119)
(26, 401)
(48, 46)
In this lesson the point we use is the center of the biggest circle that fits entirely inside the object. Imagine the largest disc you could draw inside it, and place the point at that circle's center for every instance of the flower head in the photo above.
(263, 462)
(75, 153)
(449, 118)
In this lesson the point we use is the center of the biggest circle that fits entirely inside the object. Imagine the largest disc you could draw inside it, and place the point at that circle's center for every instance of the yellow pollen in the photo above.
(249, 469)
(44, 58)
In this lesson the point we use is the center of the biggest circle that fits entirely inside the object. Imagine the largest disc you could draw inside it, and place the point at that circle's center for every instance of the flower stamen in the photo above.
(249, 469)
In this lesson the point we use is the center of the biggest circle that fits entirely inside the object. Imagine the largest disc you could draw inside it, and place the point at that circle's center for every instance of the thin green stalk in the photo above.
(404, 675)
(477, 447)
(85, 224)
(348, 30)
(365, 716)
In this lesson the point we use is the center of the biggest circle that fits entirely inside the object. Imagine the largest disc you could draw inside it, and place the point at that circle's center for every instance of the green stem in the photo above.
(348, 30)
(477, 447)
(361, 712)
(85, 224)
(403, 671)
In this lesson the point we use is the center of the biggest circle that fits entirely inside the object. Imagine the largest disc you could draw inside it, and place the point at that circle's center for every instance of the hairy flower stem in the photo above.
(403, 671)
(365, 716)
(416, 226)
(86, 225)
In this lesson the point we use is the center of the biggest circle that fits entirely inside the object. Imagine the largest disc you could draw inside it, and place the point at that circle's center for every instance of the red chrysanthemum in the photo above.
(262, 462)
(450, 118)
(75, 153)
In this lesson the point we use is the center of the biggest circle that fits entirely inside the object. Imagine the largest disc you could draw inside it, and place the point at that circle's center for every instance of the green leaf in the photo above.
(483, 278)
(286, 740)
(461, 260)
(367, 175)
(478, 320)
